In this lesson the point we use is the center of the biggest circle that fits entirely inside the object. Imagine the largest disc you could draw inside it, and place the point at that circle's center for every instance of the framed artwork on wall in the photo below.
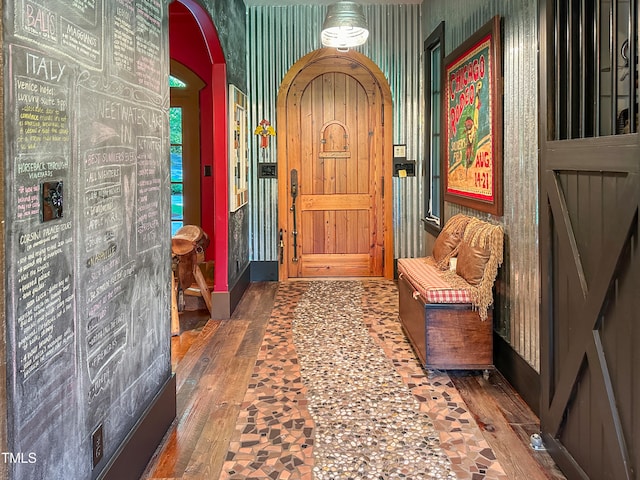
(472, 103)
(238, 149)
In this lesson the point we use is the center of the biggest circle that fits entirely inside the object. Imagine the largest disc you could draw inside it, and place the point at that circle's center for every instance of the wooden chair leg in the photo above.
(175, 317)
(204, 289)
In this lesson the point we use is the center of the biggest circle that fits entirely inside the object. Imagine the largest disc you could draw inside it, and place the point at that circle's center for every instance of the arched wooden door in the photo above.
(334, 154)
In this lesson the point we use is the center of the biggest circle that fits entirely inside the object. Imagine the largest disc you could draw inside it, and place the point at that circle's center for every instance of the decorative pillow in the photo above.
(472, 261)
(447, 242)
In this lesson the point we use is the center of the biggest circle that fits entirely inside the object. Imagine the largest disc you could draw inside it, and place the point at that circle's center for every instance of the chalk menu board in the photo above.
(87, 222)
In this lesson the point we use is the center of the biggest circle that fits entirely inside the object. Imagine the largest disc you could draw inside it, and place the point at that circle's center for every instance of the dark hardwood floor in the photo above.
(506, 423)
(213, 362)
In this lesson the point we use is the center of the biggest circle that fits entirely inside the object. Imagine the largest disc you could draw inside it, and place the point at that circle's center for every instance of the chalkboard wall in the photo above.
(87, 244)
(229, 18)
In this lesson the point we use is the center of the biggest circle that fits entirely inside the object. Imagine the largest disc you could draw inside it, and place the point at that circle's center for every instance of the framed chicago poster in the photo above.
(472, 166)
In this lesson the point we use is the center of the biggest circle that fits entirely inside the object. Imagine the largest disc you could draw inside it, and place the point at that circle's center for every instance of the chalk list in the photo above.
(124, 40)
(87, 221)
(41, 275)
(137, 31)
(149, 187)
(134, 29)
(147, 33)
(42, 149)
(75, 30)
(119, 178)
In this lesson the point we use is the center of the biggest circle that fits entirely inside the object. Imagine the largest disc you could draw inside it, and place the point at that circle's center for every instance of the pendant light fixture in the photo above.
(344, 26)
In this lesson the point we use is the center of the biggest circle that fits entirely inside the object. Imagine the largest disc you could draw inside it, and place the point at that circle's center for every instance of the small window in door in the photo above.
(177, 177)
(184, 132)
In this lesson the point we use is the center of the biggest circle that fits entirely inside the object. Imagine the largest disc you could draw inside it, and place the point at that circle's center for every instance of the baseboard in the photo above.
(131, 459)
(235, 294)
(224, 303)
(267, 271)
(264, 271)
(522, 377)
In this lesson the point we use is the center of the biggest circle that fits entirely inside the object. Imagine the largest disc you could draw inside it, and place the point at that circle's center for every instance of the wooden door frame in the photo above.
(387, 142)
(189, 100)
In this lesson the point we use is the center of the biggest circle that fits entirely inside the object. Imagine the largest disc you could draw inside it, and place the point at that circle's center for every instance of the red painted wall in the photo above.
(193, 41)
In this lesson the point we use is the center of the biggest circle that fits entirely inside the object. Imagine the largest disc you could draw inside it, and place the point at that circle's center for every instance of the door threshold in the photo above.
(315, 279)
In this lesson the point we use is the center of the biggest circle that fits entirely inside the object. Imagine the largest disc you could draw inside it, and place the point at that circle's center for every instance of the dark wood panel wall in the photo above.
(589, 203)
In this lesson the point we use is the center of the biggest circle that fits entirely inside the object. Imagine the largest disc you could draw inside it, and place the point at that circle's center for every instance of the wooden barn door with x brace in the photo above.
(589, 235)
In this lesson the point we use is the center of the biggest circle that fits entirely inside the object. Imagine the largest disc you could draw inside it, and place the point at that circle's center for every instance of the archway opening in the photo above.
(195, 45)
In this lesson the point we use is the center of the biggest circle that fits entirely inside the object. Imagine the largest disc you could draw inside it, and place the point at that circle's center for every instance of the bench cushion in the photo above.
(429, 282)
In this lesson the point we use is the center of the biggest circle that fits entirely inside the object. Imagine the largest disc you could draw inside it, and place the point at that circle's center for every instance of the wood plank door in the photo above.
(590, 264)
(333, 222)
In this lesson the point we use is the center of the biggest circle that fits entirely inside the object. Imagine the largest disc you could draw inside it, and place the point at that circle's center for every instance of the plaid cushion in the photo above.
(428, 281)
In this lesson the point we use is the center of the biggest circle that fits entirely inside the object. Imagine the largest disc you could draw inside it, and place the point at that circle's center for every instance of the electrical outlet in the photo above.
(97, 442)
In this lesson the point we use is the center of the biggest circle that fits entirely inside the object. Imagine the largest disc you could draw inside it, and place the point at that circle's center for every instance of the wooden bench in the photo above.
(446, 313)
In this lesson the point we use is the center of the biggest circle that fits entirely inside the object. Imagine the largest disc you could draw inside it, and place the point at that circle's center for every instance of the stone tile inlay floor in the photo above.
(337, 392)
(368, 424)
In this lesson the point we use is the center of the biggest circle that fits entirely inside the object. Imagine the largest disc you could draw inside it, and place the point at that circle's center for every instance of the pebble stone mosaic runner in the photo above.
(368, 425)
(337, 393)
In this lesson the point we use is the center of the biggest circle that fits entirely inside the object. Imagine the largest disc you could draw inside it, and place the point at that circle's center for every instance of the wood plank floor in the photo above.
(506, 423)
(213, 366)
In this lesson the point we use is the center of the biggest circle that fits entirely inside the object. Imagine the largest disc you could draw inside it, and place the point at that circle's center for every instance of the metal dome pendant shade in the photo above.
(344, 26)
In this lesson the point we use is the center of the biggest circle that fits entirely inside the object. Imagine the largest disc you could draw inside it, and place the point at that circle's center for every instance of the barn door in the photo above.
(333, 222)
(590, 263)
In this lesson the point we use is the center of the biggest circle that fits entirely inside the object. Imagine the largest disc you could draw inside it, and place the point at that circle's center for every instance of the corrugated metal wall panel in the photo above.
(277, 37)
(520, 275)
(396, 46)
